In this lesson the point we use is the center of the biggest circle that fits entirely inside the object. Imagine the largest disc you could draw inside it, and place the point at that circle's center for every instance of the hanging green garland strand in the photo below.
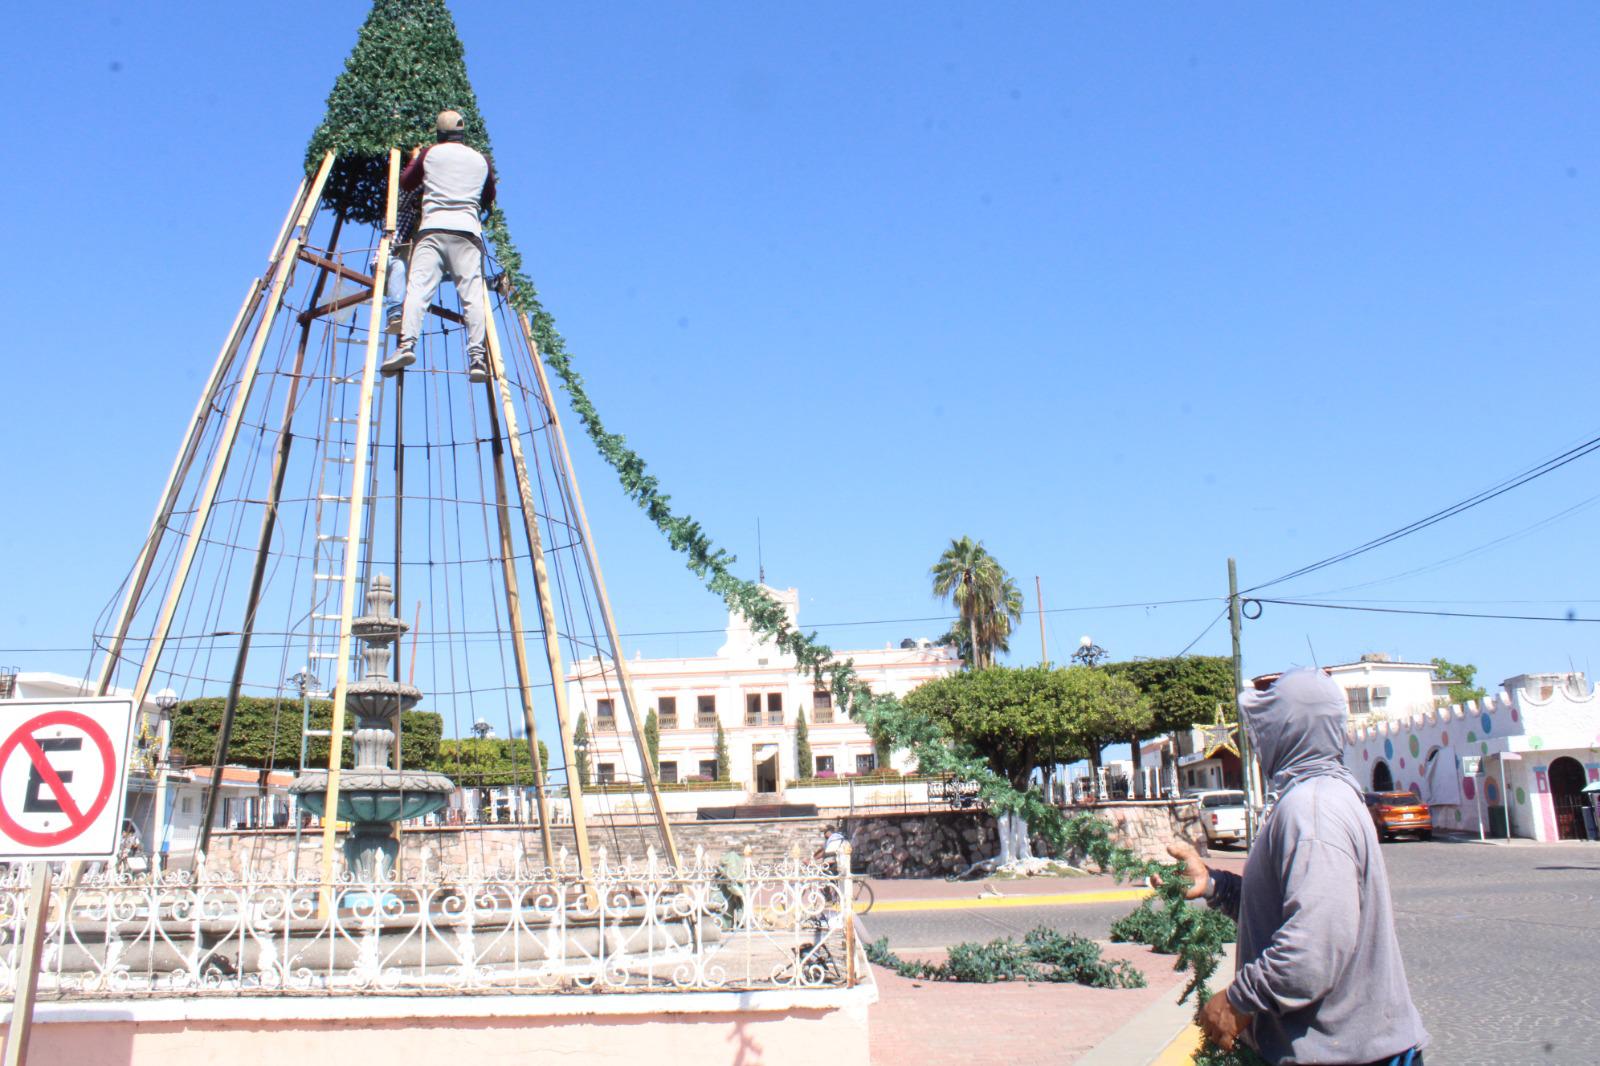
(408, 64)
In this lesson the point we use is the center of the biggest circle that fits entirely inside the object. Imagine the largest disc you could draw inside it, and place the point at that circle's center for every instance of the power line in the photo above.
(1515, 481)
(1430, 614)
(1211, 625)
(486, 635)
(1438, 564)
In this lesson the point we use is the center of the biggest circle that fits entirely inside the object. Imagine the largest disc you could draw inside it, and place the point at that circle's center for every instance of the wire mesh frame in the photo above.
(452, 573)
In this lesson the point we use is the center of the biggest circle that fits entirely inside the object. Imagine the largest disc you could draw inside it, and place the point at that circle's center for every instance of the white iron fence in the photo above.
(712, 925)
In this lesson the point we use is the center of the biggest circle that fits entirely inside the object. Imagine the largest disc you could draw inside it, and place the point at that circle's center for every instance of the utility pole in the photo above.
(1038, 598)
(1246, 755)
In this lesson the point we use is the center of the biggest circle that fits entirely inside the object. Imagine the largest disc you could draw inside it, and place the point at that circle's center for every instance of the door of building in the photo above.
(765, 758)
(1566, 794)
(1382, 779)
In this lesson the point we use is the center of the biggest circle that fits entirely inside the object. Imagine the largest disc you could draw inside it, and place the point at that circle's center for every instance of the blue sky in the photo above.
(1120, 293)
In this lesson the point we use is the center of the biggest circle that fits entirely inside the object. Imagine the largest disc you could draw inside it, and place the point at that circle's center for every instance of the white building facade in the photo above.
(1537, 744)
(753, 691)
(1378, 688)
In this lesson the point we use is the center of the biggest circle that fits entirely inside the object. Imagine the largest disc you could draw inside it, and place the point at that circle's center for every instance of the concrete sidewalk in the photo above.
(930, 1023)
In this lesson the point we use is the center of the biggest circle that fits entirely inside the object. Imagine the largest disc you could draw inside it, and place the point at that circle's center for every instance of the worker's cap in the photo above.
(451, 122)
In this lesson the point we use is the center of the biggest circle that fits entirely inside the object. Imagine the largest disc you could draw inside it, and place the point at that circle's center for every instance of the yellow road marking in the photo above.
(1056, 899)
(1182, 1050)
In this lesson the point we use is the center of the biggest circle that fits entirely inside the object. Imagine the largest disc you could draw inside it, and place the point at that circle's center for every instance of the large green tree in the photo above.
(1103, 709)
(1460, 676)
(487, 761)
(1019, 720)
(1182, 691)
(986, 598)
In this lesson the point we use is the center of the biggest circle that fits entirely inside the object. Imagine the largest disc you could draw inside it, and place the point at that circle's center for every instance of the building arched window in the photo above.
(1382, 778)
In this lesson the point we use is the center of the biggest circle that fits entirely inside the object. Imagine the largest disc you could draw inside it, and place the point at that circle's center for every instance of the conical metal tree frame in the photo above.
(287, 250)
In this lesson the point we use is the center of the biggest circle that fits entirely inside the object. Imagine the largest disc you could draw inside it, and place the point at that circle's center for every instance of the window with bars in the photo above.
(867, 763)
(605, 714)
(774, 708)
(824, 765)
(705, 711)
(822, 706)
(708, 769)
(605, 773)
(667, 712)
(668, 774)
(752, 708)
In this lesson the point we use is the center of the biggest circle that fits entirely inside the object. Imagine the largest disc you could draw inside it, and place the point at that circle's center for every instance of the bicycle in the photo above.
(861, 893)
(861, 896)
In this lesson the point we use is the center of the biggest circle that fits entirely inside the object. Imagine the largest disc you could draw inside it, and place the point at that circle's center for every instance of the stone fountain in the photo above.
(374, 796)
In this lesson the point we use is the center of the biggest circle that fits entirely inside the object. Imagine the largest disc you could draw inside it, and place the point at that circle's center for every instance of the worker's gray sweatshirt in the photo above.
(457, 182)
(1318, 963)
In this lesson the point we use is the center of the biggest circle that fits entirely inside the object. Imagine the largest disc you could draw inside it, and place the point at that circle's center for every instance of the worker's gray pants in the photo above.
(434, 254)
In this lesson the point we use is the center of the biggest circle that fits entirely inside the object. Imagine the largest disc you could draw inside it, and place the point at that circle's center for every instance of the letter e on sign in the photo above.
(63, 777)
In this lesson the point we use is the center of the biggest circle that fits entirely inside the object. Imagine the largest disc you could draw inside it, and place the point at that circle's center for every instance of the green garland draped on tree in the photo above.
(408, 64)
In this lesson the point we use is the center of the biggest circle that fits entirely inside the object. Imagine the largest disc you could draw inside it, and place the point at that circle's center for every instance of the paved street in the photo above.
(1499, 942)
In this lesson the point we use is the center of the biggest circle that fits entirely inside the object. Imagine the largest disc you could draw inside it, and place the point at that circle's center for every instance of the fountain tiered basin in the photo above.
(374, 796)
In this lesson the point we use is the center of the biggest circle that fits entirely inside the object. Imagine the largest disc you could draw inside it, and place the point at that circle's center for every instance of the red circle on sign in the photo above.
(85, 818)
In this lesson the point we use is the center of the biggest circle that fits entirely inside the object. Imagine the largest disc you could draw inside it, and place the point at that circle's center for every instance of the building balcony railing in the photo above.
(612, 787)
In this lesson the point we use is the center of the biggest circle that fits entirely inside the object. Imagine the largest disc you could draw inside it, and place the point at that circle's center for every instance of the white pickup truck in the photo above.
(1223, 814)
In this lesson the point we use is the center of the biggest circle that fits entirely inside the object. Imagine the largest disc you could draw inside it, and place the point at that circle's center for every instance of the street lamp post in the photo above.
(167, 700)
(307, 682)
(1090, 654)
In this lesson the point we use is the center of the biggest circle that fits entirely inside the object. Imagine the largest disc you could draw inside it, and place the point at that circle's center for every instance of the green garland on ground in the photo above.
(1043, 955)
(407, 65)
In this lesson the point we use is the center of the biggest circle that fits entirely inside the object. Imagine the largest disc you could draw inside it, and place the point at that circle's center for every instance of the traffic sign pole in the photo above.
(21, 1027)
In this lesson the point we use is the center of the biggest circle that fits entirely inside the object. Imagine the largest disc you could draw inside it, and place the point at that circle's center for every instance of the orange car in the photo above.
(1399, 812)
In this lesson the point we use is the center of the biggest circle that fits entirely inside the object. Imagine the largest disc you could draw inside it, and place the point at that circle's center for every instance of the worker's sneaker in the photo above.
(403, 357)
(391, 326)
(478, 370)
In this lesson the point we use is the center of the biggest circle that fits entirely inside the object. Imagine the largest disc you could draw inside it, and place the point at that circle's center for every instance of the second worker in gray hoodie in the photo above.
(1319, 977)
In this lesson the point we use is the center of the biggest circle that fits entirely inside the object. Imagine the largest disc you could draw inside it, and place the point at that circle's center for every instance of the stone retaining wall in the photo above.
(921, 844)
(1148, 826)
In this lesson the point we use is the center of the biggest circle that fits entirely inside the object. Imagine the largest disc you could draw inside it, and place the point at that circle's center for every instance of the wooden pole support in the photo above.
(186, 453)
(230, 434)
(541, 583)
(21, 1026)
(347, 597)
(592, 557)
(519, 648)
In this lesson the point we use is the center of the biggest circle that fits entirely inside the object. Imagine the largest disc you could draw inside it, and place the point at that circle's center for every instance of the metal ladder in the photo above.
(331, 516)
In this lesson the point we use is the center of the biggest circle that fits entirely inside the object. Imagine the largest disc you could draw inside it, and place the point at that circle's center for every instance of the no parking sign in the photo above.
(63, 774)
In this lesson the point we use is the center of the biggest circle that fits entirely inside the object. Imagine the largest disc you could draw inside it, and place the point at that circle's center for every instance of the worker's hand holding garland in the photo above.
(1222, 1022)
(1195, 870)
(1219, 1018)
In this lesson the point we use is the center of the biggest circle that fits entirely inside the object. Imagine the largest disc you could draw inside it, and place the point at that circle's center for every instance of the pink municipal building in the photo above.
(1535, 746)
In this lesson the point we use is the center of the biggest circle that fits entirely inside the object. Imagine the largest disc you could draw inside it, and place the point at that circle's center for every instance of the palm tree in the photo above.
(986, 598)
(994, 628)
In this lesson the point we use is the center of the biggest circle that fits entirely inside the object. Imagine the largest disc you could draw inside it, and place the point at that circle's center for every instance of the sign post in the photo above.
(1472, 766)
(1505, 797)
(63, 778)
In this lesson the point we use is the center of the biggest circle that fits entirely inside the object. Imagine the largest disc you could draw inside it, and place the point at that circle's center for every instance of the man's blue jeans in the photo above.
(394, 283)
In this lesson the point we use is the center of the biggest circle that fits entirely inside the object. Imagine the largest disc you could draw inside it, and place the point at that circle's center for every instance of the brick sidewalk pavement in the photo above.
(929, 1023)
